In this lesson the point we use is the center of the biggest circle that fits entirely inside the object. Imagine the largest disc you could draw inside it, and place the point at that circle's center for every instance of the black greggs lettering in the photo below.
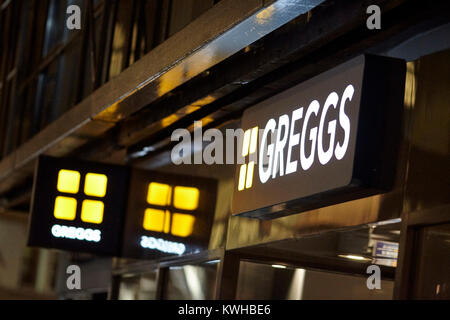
(330, 139)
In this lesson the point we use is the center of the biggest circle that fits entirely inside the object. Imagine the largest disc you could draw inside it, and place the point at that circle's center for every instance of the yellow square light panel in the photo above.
(182, 225)
(186, 198)
(154, 220)
(159, 194)
(95, 185)
(68, 181)
(92, 211)
(65, 208)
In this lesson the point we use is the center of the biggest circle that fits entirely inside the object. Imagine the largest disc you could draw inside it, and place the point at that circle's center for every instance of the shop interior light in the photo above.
(354, 257)
(278, 266)
(385, 222)
(176, 268)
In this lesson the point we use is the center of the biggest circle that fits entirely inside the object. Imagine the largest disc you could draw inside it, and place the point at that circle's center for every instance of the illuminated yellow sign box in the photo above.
(168, 214)
(91, 207)
(158, 218)
(78, 206)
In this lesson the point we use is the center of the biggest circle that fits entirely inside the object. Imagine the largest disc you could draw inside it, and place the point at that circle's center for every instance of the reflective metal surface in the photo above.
(192, 282)
(138, 287)
(245, 232)
(429, 166)
(264, 281)
(426, 200)
(432, 280)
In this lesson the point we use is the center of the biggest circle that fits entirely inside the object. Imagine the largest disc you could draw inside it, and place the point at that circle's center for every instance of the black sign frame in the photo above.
(43, 200)
(378, 136)
(133, 229)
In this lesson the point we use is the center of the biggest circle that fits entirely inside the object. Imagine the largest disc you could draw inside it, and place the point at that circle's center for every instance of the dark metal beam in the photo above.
(99, 112)
(100, 65)
(92, 46)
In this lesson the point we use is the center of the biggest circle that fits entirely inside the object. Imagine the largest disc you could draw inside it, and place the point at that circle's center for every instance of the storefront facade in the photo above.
(299, 240)
(324, 253)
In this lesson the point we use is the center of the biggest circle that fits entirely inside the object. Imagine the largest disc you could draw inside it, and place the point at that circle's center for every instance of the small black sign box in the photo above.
(168, 215)
(328, 140)
(78, 206)
(119, 211)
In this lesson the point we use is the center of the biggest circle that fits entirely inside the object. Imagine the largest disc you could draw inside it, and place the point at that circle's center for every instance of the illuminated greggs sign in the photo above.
(78, 206)
(119, 211)
(168, 214)
(330, 139)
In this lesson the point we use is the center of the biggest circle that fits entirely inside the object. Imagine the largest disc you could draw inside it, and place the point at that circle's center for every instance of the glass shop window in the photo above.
(263, 282)
(432, 276)
(191, 282)
(138, 287)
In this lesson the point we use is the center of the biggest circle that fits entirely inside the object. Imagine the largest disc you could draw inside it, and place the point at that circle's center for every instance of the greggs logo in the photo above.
(94, 190)
(249, 148)
(66, 205)
(330, 139)
(167, 214)
(279, 137)
(170, 209)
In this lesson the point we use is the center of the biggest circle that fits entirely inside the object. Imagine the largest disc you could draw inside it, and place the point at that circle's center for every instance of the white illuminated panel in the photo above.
(162, 245)
(74, 233)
